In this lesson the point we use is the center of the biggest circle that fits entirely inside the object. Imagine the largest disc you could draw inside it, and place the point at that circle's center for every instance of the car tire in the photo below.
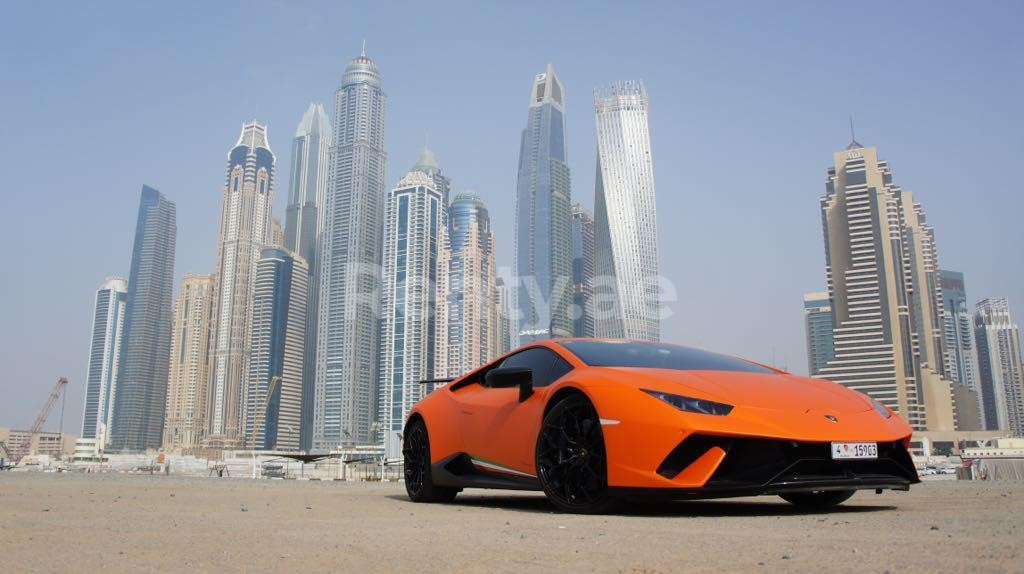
(419, 483)
(818, 500)
(571, 459)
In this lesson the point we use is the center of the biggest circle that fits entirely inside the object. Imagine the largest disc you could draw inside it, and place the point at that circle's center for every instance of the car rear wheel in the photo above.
(818, 500)
(571, 458)
(418, 481)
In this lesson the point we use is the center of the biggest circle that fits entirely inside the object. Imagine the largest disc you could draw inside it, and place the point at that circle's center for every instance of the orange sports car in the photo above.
(591, 422)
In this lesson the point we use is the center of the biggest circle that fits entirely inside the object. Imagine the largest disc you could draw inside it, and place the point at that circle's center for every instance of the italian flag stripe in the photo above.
(495, 467)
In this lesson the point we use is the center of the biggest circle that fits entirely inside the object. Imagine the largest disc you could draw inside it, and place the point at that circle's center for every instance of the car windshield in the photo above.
(657, 356)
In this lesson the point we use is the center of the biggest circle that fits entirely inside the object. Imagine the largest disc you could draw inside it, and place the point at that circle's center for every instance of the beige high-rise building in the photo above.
(467, 315)
(245, 229)
(882, 272)
(189, 375)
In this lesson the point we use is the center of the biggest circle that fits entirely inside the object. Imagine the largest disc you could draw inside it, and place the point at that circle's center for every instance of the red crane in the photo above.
(26, 446)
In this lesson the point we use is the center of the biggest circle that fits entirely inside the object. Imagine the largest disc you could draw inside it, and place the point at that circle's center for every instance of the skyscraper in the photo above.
(818, 326)
(273, 408)
(349, 263)
(583, 266)
(304, 224)
(961, 350)
(502, 318)
(104, 355)
(625, 218)
(999, 360)
(247, 200)
(413, 232)
(188, 384)
(882, 272)
(466, 312)
(146, 347)
(543, 245)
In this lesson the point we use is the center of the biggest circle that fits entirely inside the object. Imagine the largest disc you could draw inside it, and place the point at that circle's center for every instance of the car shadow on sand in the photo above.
(685, 508)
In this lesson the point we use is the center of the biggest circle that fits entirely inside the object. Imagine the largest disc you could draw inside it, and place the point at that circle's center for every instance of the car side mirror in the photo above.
(508, 377)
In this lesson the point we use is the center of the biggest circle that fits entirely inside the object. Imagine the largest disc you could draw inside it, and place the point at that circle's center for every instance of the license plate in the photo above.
(848, 450)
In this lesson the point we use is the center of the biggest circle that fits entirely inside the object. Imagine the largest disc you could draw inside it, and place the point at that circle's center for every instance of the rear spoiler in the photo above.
(435, 381)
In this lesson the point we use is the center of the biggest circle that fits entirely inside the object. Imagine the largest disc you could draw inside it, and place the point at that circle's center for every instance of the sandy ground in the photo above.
(54, 522)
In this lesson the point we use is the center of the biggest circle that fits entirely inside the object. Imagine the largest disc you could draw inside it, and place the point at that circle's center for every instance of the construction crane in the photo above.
(26, 446)
(261, 414)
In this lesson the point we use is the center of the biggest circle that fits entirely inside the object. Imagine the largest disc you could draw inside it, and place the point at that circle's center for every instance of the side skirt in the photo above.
(459, 471)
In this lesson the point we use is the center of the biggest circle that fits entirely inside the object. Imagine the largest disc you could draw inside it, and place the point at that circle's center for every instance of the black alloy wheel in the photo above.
(571, 459)
(819, 499)
(419, 484)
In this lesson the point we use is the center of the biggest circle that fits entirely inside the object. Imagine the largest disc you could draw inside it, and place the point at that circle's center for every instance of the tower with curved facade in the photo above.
(104, 356)
(625, 217)
(345, 389)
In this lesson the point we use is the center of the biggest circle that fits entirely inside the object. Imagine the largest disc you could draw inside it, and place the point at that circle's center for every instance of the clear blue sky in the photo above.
(748, 103)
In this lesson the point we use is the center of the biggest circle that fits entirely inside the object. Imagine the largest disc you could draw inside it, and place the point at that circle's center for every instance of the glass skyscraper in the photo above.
(304, 221)
(247, 200)
(625, 217)
(273, 408)
(349, 264)
(146, 346)
(583, 266)
(104, 355)
(1001, 373)
(543, 245)
(818, 326)
(413, 231)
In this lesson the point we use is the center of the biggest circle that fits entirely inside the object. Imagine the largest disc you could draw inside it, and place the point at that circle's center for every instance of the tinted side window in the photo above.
(547, 366)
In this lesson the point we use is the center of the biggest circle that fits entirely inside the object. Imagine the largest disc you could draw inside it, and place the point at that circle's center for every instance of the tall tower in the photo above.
(543, 246)
(304, 223)
(466, 318)
(1001, 374)
(818, 325)
(248, 198)
(961, 350)
(273, 420)
(413, 233)
(349, 263)
(189, 379)
(626, 237)
(502, 318)
(882, 272)
(583, 269)
(142, 376)
(104, 355)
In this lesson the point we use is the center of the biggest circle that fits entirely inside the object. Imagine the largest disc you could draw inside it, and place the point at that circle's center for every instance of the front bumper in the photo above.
(740, 466)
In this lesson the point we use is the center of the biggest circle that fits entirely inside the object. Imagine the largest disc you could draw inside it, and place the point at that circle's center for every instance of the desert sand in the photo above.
(116, 523)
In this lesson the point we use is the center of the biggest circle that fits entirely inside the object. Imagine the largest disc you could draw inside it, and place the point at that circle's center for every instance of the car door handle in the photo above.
(466, 411)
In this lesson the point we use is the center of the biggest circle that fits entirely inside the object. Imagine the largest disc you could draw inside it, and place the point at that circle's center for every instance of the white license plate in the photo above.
(847, 450)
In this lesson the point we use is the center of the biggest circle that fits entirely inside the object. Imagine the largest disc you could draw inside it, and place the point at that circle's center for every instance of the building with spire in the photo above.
(247, 200)
(189, 378)
(104, 356)
(414, 230)
(348, 264)
(146, 346)
(1001, 375)
(467, 322)
(882, 273)
(543, 242)
(273, 405)
(307, 191)
(625, 217)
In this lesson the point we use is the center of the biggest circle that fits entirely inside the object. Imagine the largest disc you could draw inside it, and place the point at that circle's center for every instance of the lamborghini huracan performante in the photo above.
(591, 422)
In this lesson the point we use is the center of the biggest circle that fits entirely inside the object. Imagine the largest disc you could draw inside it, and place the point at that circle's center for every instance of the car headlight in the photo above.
(880, 408)
(692, 405)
